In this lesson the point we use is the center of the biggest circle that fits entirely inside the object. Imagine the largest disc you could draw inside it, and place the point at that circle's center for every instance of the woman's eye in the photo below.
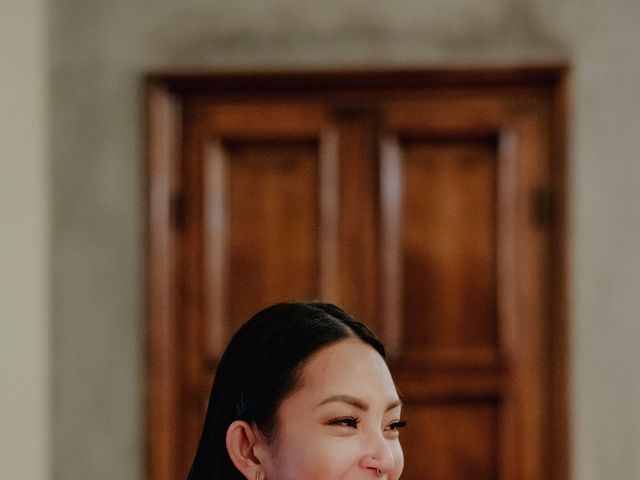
(397, 425)
(345, 422)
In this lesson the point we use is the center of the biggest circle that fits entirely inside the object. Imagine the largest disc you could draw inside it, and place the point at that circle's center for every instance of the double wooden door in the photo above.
(427, 203)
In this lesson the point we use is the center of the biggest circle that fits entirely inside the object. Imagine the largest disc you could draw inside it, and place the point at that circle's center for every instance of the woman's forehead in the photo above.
(347, 367)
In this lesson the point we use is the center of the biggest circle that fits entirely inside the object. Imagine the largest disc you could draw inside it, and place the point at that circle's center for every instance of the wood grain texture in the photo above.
(409, 197)
(163, 387)
(449, 243)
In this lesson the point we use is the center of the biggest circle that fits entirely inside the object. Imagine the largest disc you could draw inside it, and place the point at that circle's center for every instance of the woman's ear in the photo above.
(243, 444)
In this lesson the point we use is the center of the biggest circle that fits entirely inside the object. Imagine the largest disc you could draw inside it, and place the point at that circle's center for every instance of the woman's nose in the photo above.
(379, 457)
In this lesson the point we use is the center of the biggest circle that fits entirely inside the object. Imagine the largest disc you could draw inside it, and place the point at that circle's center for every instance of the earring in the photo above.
(258, 475)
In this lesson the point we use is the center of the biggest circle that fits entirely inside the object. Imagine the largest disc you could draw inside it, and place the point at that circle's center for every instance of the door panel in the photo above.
(448, 243)
(444, 451)
(263, 218)
(417, 202)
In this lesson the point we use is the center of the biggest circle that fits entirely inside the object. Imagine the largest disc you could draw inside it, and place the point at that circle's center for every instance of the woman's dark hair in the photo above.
(260, 368)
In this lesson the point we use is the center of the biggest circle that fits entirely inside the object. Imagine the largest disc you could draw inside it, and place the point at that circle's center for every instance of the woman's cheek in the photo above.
(334, 457)
(303, 459)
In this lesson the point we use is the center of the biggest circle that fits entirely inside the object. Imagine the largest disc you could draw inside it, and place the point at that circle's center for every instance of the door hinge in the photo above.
(542, 206)
(178, 211)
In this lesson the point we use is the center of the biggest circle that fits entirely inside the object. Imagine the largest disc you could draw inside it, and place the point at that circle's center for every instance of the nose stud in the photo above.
(378, 472)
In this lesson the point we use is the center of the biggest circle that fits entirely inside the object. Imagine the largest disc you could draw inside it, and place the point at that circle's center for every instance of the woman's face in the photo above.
(342, 423)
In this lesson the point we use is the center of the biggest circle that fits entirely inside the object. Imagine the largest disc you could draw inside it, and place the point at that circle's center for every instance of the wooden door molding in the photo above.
(491, 137)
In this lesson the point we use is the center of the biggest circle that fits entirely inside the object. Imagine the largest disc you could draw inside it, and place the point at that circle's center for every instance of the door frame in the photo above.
(164, 94)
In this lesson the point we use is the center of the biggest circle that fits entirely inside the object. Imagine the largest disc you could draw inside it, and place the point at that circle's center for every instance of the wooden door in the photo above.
(429, 204)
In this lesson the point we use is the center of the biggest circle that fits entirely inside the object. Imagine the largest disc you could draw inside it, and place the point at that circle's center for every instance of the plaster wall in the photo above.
(98, 53)
(25, 396)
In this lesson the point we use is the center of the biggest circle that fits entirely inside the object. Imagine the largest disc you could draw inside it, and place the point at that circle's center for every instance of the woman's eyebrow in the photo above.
(359, 404)
(394, 404)
(346, 399)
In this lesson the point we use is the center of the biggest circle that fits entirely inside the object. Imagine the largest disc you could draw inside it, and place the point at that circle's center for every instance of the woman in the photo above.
(301, 393)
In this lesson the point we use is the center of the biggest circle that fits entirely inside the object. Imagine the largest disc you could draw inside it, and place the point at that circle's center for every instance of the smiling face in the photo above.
(342, 422)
